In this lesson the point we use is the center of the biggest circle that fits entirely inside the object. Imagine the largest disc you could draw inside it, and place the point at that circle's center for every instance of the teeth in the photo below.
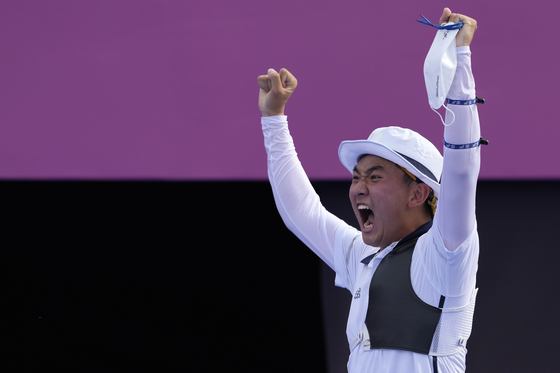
(366, 215)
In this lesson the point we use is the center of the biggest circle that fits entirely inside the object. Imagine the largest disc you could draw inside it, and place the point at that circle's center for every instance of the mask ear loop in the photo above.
(440, 117)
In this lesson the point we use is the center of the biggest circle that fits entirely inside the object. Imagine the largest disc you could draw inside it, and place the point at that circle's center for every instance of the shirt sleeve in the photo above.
(296, 200)
(455, 214)
(445, 261)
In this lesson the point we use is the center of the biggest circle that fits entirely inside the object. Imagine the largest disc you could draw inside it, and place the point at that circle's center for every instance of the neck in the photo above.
(419, 230)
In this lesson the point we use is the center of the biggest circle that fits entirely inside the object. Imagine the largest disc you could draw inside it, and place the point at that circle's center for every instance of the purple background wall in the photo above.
(166, 89)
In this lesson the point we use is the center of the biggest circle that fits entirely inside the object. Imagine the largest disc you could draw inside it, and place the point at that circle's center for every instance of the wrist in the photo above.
(266, 113)
(272, 111)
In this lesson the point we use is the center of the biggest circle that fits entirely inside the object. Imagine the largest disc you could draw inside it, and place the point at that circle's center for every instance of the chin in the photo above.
(370, 240)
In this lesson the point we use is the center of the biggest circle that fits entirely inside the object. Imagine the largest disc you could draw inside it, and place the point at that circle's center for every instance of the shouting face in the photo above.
(380, 198)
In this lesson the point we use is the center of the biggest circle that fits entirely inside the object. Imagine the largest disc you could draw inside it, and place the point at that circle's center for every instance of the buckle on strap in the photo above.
(356, 341)
(361, 339)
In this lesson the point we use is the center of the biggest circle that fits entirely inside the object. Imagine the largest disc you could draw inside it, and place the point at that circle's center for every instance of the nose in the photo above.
(359, 187)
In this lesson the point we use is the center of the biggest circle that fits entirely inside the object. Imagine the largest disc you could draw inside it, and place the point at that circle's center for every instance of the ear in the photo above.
(419, 192)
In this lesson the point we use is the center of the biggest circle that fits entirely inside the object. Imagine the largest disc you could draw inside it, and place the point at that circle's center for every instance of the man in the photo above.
(412, 274)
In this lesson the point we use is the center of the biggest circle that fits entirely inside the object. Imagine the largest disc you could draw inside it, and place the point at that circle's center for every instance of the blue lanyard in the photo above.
(455, 26)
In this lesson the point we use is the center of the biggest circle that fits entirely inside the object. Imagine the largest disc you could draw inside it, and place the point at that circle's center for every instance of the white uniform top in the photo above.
(445, 258)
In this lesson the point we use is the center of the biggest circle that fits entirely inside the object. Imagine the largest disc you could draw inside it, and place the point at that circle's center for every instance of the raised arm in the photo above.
(295, 198)
(455, 214)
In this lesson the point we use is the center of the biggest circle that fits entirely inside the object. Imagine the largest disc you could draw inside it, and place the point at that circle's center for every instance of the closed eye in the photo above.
(371, 177)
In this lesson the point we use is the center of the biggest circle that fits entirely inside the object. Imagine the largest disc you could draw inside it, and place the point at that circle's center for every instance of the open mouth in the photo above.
(366, 215)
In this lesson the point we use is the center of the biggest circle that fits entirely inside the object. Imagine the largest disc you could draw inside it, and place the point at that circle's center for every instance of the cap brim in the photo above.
(350, 151)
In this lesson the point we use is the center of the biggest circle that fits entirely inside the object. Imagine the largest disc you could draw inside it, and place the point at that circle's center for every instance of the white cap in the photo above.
(402, 146)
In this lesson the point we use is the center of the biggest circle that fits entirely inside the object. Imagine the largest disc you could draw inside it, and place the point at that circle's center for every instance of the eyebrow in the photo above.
(369, 170)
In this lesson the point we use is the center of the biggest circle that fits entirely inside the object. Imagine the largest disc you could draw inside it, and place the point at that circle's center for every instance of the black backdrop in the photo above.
(203, 276)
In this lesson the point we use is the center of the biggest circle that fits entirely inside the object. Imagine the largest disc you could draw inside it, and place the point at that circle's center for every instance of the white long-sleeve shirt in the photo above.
(445, 258)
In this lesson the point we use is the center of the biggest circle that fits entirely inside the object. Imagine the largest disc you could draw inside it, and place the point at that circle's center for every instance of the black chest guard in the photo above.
(397, 318)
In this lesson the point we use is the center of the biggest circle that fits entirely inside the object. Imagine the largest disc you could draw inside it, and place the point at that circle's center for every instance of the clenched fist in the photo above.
(466, 33)
(275, 89)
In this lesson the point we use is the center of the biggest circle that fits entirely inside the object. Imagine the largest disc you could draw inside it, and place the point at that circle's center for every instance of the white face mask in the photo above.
(439, 68)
